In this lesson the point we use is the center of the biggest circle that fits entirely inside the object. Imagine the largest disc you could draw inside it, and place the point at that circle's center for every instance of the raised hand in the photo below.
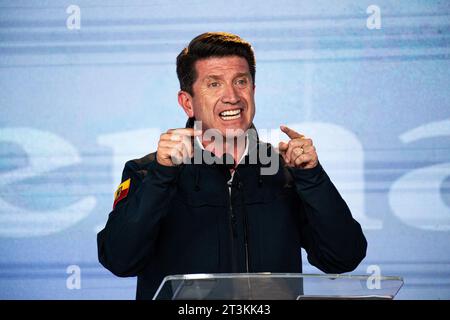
(176, 146)
(299, 152)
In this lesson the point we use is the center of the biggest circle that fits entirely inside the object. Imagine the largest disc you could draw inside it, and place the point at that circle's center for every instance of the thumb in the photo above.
(283, 146)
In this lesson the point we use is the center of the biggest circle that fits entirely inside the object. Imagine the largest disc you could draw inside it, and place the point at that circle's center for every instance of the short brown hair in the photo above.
(211, 44)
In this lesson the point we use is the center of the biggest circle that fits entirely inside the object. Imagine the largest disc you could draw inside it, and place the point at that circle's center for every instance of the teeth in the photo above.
(229, 113)
(230, 117)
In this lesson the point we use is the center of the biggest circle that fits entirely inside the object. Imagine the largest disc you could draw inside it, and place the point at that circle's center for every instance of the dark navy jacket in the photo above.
(183, 220)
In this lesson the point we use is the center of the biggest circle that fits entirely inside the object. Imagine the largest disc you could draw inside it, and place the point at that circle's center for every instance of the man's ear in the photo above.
(185, 101)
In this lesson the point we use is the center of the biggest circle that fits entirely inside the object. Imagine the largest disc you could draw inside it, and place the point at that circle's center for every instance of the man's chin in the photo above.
(233, 132)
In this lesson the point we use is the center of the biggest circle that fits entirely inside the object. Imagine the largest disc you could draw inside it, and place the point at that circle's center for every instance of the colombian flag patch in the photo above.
(121, 192)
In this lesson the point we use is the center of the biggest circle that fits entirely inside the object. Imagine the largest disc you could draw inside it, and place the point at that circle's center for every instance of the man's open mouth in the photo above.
(230, 114)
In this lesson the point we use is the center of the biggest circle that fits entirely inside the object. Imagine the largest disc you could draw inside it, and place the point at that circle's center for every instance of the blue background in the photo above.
(75, 104)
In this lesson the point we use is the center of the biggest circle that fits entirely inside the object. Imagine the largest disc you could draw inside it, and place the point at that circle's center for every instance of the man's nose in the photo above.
(230, 95)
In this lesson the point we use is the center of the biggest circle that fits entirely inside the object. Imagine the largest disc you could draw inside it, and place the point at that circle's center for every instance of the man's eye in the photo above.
(241, 82)
(213, 85)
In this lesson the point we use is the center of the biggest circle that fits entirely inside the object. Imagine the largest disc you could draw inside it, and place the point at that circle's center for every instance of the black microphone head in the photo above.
(228, 161)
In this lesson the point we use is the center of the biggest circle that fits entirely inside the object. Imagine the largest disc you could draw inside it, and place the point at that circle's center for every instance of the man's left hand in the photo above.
(299, 152)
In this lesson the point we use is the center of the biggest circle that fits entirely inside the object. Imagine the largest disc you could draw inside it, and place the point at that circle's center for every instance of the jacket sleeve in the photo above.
(126, 242)
(333, 240)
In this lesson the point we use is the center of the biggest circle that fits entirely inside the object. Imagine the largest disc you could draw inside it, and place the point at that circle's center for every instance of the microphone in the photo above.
(227, 160)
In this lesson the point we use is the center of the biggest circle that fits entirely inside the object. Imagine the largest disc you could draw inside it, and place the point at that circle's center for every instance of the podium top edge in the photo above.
(205, 276)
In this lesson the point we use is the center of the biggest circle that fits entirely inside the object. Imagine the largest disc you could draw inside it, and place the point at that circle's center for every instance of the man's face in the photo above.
(224, 96)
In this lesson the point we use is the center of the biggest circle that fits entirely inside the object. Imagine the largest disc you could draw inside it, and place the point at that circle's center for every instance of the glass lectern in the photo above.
(276, 286)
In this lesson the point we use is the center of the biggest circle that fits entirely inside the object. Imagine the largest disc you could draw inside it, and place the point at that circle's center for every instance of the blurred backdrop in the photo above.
(87, 85)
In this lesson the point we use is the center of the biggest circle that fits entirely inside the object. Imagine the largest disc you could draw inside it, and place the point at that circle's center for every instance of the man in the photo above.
(173, 215)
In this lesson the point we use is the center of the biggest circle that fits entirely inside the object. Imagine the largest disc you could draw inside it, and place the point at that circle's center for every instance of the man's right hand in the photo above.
(176, 146)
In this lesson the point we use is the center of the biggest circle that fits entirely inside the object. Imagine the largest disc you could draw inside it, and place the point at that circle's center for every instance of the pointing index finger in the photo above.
(291, 133)
(185, 131)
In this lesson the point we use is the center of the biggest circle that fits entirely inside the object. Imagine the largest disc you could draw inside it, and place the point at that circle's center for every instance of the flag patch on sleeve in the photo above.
(122, 191)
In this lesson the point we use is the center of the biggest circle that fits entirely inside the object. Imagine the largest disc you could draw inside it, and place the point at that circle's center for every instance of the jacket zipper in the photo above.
(246, 242)
(234, 234)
